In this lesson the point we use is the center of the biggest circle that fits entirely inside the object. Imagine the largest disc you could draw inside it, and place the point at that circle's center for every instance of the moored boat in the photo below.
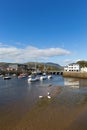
(49, 76)
(43, 77)
(33, 78)
(6, 77)
(22, 76)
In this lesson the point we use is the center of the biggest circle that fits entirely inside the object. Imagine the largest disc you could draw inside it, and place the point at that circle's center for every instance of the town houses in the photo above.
(72, 67)
(75, 67)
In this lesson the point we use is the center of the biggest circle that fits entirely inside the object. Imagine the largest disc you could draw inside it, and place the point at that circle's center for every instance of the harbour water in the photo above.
(20, 89)
(17, 98)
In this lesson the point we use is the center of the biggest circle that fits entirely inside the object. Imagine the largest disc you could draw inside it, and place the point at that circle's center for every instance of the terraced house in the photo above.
(17, 67)
(72, 67)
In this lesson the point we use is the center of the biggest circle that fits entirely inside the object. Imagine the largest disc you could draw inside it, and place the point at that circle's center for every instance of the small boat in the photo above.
(49, 76)
(43, 77)
(21, 76)
(6, 77)
(1, 75)
(14, 75)
(30, 76)
(33, 78)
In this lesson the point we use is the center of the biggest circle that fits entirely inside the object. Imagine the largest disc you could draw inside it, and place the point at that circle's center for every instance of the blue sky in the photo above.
(43, 30)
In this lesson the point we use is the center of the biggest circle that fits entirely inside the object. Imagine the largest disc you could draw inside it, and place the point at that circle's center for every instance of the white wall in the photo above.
(84, 69)
(73, 67)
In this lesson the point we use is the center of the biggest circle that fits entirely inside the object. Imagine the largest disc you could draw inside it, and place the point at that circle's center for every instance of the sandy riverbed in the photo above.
(66, 110)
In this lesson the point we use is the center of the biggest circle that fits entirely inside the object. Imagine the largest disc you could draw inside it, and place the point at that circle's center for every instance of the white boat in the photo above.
(49, 76)
(33, 78)
(6, 77)
(1, 75)
(43, 77)
(14, 75)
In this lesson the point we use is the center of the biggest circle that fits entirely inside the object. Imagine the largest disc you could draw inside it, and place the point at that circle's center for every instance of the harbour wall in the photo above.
(75, 74)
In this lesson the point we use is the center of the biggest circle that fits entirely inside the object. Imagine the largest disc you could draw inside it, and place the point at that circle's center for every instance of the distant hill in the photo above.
(37, 64)
(54, 64)
(4, 64)
(47, 64)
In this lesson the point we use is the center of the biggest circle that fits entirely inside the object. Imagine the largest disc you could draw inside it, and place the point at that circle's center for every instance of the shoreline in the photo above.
(75, 74)
(53, 116)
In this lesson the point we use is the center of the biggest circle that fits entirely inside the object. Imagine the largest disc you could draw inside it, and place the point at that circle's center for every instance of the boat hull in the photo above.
(6, 78)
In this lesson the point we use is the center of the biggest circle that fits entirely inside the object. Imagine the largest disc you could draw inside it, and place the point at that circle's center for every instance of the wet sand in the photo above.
(80, 123)
(66, 110)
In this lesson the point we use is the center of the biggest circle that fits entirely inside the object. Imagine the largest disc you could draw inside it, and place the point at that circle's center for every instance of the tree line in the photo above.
(82, 63)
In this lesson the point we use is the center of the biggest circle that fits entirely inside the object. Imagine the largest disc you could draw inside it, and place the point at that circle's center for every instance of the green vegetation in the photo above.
(45, 66)
(82, 63)
(5, 68)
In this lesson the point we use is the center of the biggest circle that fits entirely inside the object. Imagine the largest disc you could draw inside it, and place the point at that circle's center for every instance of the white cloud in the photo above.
(78, 60)
(15, 54)
(67, 61)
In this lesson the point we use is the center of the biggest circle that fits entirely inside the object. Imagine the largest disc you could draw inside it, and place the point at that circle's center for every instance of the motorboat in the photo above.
(6, 77)
(43, 77)
(49, 76)
(33, 78)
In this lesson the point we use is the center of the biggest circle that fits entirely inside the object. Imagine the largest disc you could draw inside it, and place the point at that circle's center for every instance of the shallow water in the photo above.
(19, 89)
(18, 97)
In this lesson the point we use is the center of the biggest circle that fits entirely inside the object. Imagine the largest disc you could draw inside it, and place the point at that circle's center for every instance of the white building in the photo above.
(17, 66)
(84, 69)
(72, 67)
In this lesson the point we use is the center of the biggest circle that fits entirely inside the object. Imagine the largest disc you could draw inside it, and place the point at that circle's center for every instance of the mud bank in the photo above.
(61, 112)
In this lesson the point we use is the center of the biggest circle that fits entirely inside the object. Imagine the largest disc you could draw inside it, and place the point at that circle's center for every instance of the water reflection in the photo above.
(19, 89)
(71, 82)
(17, 96)
(76, 83)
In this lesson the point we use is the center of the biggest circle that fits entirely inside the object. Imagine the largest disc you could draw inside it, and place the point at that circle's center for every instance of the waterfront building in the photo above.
(72, 67)
(17, 67)
(2, 68)
(84, 69)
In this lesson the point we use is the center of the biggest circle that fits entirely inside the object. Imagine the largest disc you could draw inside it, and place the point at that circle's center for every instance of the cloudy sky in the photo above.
(43, 31)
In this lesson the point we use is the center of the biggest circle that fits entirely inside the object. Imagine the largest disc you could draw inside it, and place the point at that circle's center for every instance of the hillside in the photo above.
(41, 66)
(48, 65)
(82, 63)
(54, 65)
